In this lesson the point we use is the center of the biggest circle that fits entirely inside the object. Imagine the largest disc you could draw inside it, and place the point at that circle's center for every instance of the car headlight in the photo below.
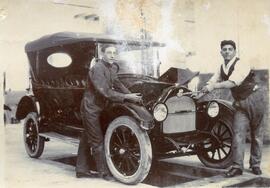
(160, 112)
(213, 109)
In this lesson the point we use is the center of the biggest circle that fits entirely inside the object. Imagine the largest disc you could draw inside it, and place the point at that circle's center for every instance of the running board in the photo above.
(60, 137)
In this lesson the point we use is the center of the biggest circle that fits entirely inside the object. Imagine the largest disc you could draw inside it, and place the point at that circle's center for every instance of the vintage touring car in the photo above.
(171, 121)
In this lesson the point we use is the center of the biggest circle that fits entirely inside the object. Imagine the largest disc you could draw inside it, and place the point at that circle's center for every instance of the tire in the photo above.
(128, 150)
(217, 153)
(34, 144)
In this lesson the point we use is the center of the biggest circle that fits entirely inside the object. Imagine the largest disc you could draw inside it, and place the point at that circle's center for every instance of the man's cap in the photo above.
(226, 42)
(104, 46)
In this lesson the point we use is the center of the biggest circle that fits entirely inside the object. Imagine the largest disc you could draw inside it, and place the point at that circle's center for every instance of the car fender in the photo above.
(27, 104)
(140, 113)
(225, 103)
(226, 111)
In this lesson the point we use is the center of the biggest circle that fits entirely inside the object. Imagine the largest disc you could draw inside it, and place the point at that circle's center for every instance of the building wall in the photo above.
(192, 29)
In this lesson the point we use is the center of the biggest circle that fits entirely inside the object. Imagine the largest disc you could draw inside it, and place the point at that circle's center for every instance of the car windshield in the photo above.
(137, 60)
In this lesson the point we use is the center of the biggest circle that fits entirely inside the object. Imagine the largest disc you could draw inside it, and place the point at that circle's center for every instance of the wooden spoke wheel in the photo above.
(217, 153)
(34, 144)
(128, 150)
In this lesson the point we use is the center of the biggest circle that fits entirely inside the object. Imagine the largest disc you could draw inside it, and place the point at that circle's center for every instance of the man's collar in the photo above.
(107, 64)
(229, 64)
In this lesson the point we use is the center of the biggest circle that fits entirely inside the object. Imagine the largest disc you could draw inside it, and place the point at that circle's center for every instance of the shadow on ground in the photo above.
(155, 177)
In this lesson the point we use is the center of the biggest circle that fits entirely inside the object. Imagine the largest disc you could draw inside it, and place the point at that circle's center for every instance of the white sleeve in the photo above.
(215, 78)
(240, 72)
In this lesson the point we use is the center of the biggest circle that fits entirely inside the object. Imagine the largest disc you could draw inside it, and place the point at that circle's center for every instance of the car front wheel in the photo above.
(128, 150)
(34, 144)
(217, 153)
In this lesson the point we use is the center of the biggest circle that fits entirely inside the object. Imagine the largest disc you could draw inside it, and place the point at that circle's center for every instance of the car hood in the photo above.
(150, 88)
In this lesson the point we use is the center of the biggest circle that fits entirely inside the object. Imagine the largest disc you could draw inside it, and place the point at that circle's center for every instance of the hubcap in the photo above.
(122, 151)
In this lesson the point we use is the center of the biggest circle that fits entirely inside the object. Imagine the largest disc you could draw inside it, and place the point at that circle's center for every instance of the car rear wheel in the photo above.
(128, 150)
(217, 153)
(34, 144)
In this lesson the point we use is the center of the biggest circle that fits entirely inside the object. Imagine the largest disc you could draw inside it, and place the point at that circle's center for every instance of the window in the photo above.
(59, 60)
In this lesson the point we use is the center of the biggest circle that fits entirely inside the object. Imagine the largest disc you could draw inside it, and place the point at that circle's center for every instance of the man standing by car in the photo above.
(103, 86)
(249, 104)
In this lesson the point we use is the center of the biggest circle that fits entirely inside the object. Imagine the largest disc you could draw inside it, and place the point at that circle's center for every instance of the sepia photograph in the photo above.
(141, 93)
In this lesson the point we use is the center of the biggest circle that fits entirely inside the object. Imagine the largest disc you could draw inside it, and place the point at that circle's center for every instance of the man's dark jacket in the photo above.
(104, 85)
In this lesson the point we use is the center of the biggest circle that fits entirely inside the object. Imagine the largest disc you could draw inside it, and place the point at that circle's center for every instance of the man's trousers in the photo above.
(249, 114)
(92, 137)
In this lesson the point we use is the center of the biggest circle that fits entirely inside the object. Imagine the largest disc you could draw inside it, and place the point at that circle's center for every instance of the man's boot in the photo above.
(102, 168)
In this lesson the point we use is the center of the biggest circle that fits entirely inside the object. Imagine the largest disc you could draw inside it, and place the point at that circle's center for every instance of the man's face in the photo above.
(110, 54)
(228, 52)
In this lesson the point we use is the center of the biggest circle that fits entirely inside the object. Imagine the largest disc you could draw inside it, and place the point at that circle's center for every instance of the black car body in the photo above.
(171, 121)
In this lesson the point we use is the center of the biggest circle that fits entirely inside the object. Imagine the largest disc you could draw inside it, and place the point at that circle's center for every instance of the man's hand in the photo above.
(208, 88)
(134, 97)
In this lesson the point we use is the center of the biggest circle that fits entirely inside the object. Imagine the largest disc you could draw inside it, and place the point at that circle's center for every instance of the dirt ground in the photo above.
(19, 170)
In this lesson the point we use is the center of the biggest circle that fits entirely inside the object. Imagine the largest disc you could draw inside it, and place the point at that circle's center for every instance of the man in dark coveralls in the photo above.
(103, 85)
(249, 104)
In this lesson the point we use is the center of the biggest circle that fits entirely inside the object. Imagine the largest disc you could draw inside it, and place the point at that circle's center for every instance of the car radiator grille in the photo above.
(181, 115)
